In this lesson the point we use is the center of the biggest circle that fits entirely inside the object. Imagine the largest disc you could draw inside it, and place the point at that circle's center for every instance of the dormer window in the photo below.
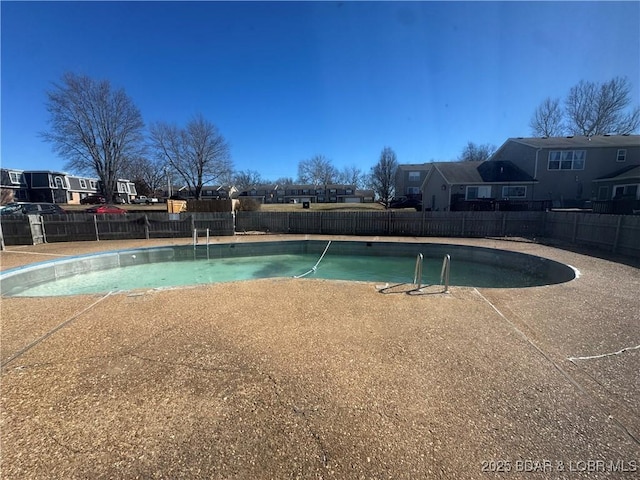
(15, 177)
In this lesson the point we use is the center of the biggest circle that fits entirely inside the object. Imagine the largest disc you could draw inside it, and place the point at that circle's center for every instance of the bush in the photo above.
(246, 205)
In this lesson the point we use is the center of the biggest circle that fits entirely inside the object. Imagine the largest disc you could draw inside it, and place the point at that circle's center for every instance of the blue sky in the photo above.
(285, 81)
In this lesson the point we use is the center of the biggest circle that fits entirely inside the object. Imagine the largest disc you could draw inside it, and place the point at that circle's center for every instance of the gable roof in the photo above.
(580, 141)
(487, 171)
(630, 172)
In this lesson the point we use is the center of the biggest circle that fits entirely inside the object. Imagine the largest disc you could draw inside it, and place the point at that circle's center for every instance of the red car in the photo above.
(107, 209)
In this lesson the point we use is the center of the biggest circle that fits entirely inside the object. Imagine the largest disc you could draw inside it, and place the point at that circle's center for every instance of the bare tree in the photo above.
(198, 153)
(351, 176)
(383, 174)
(317, 170)
(244, 179)
(148, 176)
(476, 153)
(284, 181)
(599, 109)
(547, 119)
(95, 128)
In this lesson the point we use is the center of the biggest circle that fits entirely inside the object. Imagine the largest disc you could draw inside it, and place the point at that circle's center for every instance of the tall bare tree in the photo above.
(148, 175)
(351, 176)
(547, 119)
(383, 174)
(318, 170)
(598, 109)
(95, 128)
(590, 109)
(246, 178)
(198, 153)
(476, 153)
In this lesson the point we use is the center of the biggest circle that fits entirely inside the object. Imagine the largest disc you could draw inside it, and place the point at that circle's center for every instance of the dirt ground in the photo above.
(304, 378)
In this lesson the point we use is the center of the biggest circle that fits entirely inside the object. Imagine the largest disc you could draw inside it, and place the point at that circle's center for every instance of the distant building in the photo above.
(300, 193)
(57, 187)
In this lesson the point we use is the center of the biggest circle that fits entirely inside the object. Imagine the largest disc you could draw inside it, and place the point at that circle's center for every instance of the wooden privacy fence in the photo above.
(82, 226)
(441, 224)
(616, 233)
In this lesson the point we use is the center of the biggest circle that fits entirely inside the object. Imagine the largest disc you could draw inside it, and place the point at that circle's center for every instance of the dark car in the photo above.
(32, 208)
(112, 209)
(93, 199)
(406, 202)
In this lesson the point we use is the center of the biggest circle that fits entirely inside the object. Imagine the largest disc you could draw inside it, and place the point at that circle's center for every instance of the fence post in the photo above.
(618, 228)
(575, 228)
(462, 232)
(504, 224)
(95, 223)
(146, 226)
(388, 222)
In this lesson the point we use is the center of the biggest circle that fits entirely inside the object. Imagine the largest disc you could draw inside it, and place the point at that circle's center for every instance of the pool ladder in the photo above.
(444, 273)
(195, 243)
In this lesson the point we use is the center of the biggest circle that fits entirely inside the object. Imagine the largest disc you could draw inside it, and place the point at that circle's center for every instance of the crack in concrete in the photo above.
(604, 355)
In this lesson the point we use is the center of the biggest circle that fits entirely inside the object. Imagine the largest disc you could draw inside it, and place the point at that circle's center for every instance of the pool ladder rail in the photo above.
(195, 243)
(444, 273)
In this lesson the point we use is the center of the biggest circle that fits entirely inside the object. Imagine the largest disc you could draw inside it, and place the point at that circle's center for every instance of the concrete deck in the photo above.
(312, 378)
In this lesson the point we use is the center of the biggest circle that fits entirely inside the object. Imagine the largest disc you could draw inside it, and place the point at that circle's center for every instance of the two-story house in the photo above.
(565, 168)
(409, 179)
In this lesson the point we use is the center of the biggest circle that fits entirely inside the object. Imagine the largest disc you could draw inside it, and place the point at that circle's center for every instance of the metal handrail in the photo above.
(417, 273)
(444, 273)
(195, 242)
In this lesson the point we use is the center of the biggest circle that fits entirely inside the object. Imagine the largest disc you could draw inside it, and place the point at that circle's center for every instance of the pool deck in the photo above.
(286, 378)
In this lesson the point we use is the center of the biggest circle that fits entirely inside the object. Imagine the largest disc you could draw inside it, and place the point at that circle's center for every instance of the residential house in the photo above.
(409, 179)
(618, 192)
(58, 187)
(80, 187)
(332, 193)
(13, 185)
(449, 184)
(565, 167)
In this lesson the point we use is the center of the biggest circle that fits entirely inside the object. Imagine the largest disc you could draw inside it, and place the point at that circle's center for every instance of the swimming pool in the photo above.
(164, 267)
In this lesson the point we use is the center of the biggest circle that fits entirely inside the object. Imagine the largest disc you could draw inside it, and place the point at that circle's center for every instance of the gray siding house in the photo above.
(409, 179)
(449, 184)
(565, 168)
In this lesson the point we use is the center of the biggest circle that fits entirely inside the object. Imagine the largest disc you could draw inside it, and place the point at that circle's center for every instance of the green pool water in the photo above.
(384, 269)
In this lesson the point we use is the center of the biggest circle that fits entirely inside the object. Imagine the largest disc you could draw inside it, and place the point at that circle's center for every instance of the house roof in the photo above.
(630, 172)
(502, 171)
(415, 166)
(580, 141)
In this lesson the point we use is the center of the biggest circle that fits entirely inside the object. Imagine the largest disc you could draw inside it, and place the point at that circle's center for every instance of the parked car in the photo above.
(110, 209)
(144, 199)
(406, 202)
(93, 199)
(31, 208)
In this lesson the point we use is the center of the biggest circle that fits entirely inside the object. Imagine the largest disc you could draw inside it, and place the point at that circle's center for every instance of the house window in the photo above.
(622, 155)
(93, 185)
(414, 176)
(514, 191)
(413, 190)
(15, 177)
(566, 160)
(625, 191)
(474, 193)
(349, 191)
(83, 183)
(59, 182)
